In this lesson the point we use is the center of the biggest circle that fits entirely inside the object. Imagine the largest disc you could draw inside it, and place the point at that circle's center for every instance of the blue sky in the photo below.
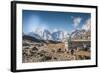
(67, 21)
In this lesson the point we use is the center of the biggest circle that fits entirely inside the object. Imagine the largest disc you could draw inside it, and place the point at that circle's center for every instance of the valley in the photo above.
(56, 46)
(46, 52)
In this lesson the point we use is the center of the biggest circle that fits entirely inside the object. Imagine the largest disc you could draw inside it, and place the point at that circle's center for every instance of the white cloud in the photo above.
(76, 21)
(87, 25)
(65, 34)
(40, 29)
(32, 23)
(55, 30)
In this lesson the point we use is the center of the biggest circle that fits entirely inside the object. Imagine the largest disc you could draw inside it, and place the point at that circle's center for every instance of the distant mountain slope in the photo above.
(46, 35)
(81, 34)
(34, 39)
(32, 34)
(30, 38)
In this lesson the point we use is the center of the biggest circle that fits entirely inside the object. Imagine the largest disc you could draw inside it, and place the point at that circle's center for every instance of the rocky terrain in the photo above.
(50, 51)
(55, 46)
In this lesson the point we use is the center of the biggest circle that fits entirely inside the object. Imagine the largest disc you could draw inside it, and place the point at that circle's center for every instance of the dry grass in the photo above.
(52, 52)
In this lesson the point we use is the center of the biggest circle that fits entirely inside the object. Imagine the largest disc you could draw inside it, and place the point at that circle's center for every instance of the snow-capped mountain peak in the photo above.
(33, 34)
(47, 35)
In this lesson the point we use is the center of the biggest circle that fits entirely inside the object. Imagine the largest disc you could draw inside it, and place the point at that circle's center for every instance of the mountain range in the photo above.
(59, 36)
(47, 35)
